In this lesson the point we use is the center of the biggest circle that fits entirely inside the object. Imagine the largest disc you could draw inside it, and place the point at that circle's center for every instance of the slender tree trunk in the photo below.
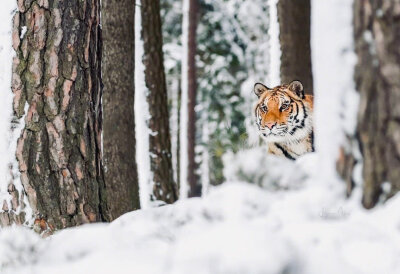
(377, 40)
(56, 73)
(121, 178)
(192, 87)
(294, 23)
(188, 101)
(160, 139)
(178, 137)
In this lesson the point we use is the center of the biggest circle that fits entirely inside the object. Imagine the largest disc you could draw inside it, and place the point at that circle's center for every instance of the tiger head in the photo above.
(283, 113)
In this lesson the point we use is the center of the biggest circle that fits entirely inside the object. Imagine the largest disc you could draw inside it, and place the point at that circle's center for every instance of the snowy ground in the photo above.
(237, 228)
(271, 216)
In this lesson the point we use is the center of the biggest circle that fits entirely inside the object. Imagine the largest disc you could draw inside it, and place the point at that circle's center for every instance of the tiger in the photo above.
(284, 117)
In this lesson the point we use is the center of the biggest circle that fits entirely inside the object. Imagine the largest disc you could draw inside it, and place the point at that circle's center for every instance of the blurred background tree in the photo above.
(376, 142)
(231, 53)
(119, 144)
(294, 35)
(160, 155)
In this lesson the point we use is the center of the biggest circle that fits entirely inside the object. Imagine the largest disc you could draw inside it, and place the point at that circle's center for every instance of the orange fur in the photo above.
(284, 118)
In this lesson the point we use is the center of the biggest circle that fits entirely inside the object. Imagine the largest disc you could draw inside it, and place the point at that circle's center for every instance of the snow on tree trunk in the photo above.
(183, 159)
(275, 49)
(142, 116)
(120, 171)
(175, 127)
(160, 138)
(335, 96)
(15, 207)
(294, 22)
(56, 72)
(377, 40)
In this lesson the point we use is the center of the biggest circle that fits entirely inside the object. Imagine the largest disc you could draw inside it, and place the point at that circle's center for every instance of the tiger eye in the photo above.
(264, 108)
(285, 106)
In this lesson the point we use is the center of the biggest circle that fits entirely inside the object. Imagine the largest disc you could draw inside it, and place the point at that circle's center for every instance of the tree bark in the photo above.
(294, 24)
(178, 138)
(121, 178)
(377, 76)
(56, 72)
(192, 88)
(160, 139)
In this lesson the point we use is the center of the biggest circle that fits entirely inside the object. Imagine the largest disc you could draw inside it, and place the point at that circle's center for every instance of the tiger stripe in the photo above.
(284, 119)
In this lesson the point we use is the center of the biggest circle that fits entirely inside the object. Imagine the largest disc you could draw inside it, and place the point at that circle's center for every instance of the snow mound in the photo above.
(256, 165)
(237, 228)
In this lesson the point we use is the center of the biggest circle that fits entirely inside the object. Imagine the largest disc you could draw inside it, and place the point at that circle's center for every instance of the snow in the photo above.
(333, 64)
(10, 129)
(23, 31)
(184, 157)
(142, 116)
(174, 126)
(6, 55)
(237, 228)
(271, 216)
(275, 49)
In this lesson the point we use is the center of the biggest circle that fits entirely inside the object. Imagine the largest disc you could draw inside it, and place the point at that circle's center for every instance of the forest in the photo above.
(200, 136)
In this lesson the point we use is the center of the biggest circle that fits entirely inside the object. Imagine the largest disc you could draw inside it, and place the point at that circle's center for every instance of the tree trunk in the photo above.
(56, 73)
(121, 178)
(192, 87)
(178, 140)
(377, 44)
(294, 24)
(160, 139)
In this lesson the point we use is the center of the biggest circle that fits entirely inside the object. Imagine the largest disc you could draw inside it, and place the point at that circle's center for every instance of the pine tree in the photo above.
(294, 24)
(160, 140)
(56, 74)
(377, 74)
(188, 102)
(171, 15)
(121, 177)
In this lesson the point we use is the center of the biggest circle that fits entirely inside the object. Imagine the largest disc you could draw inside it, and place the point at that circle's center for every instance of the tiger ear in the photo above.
(297, 88)
(260, 89)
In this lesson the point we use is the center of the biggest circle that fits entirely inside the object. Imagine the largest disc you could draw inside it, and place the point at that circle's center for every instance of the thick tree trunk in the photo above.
(377, 37)
(294, 24)
(192, 87)
(121, 178)
(160, 139)
(56, 73)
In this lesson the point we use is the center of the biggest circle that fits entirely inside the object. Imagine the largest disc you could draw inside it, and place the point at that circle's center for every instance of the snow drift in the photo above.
(237, 228)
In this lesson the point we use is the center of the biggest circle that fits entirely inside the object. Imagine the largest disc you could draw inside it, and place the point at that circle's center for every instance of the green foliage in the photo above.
(231, 48)
(225, 60)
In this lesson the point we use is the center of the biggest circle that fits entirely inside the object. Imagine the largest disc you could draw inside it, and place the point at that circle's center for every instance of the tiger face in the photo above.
(283, 113)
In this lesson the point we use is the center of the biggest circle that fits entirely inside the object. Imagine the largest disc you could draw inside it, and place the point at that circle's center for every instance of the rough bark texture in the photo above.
(160, 139)
(121, 179)
(192, 87)
(377, 37)
(56, 72)
(294, 25)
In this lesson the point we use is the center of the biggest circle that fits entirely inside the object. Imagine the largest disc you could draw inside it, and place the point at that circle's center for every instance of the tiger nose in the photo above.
(270, 125)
